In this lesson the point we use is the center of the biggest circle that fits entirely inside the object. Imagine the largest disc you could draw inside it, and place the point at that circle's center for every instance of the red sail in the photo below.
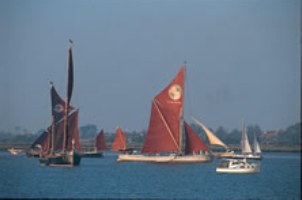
(119, 142)
(73, 133)
(57, 105)
(164, 127)
(193, 143)
(100, 143)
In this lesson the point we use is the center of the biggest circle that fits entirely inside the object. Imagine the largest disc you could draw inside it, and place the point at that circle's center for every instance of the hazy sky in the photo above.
(243, 60)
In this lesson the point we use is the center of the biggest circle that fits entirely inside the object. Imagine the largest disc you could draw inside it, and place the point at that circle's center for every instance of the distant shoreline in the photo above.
(264, 147)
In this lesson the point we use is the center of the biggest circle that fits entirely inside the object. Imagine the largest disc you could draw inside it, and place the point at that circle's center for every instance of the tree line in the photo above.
(289, 136)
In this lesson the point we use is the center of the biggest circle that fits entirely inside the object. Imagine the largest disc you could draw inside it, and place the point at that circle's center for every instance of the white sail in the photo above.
(213, 139)
(257, 149)
(245, 145)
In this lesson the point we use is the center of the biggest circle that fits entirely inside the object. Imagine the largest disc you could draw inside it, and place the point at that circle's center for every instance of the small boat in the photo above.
(120, 142)
(237, 166)
(246, 150)
(14, 151)
(63, 148)
(215, 142)
(100, 146)
(165, 138)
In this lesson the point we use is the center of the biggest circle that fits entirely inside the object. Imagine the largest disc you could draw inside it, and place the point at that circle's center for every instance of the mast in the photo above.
(181, 118)
(52, 122)
(68, 94)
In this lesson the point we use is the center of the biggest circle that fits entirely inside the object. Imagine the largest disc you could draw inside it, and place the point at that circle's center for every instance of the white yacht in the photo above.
(237, 166)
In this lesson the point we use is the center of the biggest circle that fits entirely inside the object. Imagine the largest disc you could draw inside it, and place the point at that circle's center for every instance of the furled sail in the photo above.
(100, 143)
(164, 129)
(119, 142)
(245, 145)
(213, 139)
(193, 143)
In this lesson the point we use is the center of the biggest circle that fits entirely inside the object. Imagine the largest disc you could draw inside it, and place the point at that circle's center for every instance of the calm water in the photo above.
(105, 178)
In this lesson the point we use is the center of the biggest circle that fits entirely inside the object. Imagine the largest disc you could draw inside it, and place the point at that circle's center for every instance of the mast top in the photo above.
(70, 43)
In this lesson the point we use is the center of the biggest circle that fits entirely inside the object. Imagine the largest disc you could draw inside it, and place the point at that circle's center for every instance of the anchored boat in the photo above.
(100, 146)
(246, 150)
(63, 147)
(14, 151)
(237, 166)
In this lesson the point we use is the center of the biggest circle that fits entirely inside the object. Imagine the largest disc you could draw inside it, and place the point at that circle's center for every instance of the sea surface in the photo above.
(22, 177)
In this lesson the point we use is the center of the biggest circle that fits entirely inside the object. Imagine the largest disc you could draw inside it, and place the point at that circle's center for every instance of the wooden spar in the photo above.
(68, 94)
(181, 123)
(52, 134)
(166, 125)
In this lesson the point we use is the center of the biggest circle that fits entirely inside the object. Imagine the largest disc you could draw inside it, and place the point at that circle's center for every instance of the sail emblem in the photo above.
(175, 92)
(58, 108)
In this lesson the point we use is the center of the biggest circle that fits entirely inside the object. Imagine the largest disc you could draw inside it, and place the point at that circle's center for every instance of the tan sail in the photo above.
(212, 138)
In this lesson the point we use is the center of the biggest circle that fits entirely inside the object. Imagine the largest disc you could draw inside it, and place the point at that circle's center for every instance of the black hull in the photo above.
(63, 159)
(92, 155)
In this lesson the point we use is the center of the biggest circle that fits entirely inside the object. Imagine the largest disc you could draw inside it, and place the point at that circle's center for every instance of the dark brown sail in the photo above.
(65, 135)
(73, 133)
(57, 105)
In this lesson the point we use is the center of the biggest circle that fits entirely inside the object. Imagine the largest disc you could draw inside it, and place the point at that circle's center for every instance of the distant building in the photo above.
(270, 134)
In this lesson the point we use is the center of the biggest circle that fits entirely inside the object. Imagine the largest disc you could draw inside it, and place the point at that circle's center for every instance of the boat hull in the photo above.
(223, 154)
(14, 151)
(93, 154)
(164, 159)
(238, 170)
(71, 158)
(248, 156)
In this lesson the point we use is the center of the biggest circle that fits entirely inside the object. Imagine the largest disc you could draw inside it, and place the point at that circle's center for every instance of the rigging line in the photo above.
(166, 125)
(187, 86)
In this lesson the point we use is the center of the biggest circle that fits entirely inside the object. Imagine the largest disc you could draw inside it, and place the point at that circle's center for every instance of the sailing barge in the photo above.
(164, 140)
(61, 146)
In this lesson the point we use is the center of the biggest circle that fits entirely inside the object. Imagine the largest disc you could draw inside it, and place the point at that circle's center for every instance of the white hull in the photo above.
(223, 154)
(238, 170)
(248, 156)
(164, 159)
(239, 166)
(14, 151)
